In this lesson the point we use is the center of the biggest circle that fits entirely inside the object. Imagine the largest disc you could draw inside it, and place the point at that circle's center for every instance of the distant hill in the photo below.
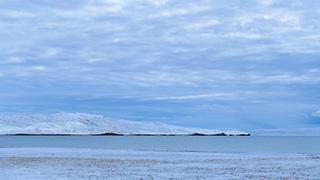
(79, 123)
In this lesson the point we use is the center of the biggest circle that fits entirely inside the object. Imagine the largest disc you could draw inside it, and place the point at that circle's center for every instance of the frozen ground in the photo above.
(50, 163)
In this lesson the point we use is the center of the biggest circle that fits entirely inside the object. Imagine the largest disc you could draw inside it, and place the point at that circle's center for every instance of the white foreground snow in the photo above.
(79, 123)
(86, 164)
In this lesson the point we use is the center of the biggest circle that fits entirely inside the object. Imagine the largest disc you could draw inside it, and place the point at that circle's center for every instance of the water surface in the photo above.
(255, 144)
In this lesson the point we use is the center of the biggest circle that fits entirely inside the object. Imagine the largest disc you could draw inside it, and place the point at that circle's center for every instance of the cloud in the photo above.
(39, 68)
(12, 60)
(199, 96)
(197, 52)
(316, 113)
(17, 14)
(315, 131)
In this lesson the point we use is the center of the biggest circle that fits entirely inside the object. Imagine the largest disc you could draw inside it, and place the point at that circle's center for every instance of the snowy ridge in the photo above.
(79, 123)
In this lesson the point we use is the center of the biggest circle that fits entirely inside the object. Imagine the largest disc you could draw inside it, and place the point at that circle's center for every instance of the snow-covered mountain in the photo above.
(79, 123)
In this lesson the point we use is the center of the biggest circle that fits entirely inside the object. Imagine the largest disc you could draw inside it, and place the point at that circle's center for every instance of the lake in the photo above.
(252, 144)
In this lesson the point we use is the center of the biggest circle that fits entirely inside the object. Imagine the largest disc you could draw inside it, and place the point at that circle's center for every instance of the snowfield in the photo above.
(79, 123)
(63, 164)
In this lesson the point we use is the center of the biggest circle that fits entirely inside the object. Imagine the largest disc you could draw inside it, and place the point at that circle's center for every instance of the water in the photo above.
(253, 144)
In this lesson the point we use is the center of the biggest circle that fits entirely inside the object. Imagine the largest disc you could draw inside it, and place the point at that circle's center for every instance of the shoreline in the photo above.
(116, 134)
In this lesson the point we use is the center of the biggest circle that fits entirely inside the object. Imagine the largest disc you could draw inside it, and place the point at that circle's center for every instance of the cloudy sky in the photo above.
(244, 64)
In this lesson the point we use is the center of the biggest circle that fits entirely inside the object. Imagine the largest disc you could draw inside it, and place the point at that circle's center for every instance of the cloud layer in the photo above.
(316, 113)
(163, 60)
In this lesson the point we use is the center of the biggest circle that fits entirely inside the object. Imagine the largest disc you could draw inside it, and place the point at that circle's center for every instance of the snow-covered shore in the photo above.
(55, 163)
(80, 123)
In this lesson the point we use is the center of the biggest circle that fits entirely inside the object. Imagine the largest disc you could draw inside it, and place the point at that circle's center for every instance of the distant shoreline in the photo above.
(116, 134)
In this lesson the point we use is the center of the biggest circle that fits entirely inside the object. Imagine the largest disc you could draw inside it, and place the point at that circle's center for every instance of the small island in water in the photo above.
(76, 124)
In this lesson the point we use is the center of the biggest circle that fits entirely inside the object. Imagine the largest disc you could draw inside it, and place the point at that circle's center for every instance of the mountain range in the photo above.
(86, 124)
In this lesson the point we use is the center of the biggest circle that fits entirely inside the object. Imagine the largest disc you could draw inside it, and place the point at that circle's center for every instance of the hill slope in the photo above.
(79, 123)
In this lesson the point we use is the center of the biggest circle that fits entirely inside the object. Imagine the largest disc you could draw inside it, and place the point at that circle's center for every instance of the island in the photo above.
(80, 124)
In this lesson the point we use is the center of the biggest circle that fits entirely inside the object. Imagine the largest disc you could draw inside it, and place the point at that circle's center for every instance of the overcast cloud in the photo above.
(217, 64)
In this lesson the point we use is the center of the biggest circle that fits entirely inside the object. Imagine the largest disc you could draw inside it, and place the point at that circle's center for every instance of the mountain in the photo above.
(79, 123)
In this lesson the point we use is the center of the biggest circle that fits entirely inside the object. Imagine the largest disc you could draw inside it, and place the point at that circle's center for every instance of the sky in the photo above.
(238, 64)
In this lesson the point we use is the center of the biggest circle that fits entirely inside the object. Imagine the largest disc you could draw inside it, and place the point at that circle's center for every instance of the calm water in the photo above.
(260, 144)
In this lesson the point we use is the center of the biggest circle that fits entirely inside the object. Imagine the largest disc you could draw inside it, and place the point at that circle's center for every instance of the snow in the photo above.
(60, 164)
(79, 123)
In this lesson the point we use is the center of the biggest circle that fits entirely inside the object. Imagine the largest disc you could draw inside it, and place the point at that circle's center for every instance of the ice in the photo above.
(56, 163)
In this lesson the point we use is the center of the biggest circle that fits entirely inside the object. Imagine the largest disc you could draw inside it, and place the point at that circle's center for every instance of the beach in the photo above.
(72, 163)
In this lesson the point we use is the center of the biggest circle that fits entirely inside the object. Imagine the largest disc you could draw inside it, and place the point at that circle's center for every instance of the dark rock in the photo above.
(111, 134)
